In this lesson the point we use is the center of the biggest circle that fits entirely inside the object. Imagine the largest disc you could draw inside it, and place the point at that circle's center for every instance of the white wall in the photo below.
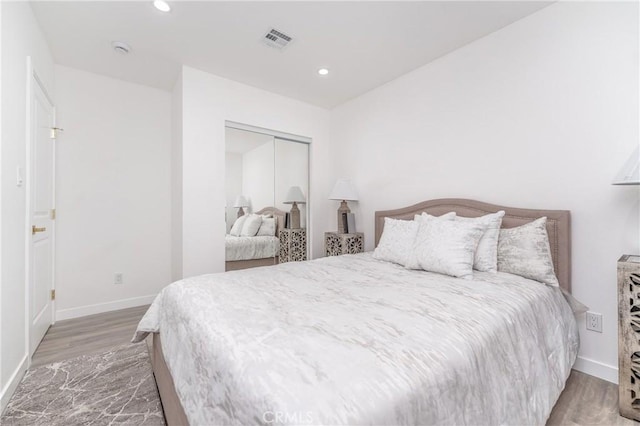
(176, 181)
(540, 114)
(113, 193)
(258, 176)
(21, 37)
(207, 102)
(233, 185)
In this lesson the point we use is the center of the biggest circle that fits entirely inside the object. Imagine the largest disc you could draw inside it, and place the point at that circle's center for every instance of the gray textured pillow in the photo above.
(525, 251)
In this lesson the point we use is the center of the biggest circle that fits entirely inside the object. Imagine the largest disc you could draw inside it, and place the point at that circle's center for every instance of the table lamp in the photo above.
(629, 174)
(294, 196)
(343, 191)
(241, 201)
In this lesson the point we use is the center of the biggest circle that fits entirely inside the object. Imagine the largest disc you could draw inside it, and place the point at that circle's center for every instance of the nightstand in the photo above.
(628, 336)
(293, 245)
(336, 244)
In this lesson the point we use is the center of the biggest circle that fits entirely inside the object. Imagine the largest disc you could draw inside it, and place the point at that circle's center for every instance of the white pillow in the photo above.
(486, 258)
(267, 227)
(525, 251)
(236, 229)
(396, 241)
(446, 247)
(426, 216)
(251, 225)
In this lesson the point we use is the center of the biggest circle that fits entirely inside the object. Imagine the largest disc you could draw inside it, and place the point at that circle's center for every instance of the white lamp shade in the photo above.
(629, 174)
(294, 195)
(344, 190)
(241, 201)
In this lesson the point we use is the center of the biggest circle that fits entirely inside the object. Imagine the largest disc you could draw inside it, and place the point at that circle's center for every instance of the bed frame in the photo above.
(235, 265)
(558, 228)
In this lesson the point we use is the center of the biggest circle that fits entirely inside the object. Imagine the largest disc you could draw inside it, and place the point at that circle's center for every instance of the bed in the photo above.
(354, 340)
(250, 252)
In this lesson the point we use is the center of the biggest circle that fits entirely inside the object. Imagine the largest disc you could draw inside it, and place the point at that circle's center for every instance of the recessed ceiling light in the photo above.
(323, 71)
(121, 47)
(162, 5)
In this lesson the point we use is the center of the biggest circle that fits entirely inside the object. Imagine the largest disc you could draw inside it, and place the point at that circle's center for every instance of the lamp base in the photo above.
(343, 209)
(240, 212)
(294, 217)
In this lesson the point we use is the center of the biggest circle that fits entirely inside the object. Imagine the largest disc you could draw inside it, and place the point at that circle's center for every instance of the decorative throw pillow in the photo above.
(486, 258)
(267, 227)
(447, 247)
(236, 229)
(525, 251)
(396, 241)
(251, 225)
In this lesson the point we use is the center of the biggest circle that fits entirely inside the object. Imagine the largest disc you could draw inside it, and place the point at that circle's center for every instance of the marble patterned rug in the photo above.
(111, 388)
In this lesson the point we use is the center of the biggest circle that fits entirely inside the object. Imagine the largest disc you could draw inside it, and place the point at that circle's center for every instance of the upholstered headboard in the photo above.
(277, 213)
(558, 225)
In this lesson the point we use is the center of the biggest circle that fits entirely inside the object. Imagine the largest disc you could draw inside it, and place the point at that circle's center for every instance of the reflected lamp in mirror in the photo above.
(294, 196)
(629, 174)
(343, 191)
(241, 202)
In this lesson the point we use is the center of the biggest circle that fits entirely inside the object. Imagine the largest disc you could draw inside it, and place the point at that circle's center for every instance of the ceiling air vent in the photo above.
(276, 39)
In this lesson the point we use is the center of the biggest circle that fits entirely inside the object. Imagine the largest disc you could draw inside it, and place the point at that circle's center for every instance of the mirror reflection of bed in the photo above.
(244, 251)
(266, 179)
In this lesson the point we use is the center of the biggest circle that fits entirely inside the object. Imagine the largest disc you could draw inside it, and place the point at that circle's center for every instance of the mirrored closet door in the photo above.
(267, 186)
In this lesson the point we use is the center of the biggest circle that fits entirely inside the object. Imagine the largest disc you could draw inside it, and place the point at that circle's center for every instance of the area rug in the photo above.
(111, 388)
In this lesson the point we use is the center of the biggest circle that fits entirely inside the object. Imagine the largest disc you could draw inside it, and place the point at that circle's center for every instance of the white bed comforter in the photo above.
(247, 248)
(354, 340)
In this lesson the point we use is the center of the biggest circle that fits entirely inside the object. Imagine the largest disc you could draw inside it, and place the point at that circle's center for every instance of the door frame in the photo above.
(32, 80)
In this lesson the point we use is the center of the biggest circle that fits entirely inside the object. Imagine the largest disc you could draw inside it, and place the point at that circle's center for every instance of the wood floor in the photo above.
(87, 335)
(586, 400)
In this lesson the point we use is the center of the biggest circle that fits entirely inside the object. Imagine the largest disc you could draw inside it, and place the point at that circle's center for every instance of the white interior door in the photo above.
(41, 211)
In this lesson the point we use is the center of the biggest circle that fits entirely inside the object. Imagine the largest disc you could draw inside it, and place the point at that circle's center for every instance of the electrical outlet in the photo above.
(594, 321)
(118, 278)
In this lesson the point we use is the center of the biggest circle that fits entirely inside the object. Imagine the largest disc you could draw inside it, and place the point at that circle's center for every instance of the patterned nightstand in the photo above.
(293, 245)
(629, 336)
(336, 244)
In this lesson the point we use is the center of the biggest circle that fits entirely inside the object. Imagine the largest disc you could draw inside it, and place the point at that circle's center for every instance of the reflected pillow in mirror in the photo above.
(251, 225)
(267, 227)
(236, 229)
(525, 251)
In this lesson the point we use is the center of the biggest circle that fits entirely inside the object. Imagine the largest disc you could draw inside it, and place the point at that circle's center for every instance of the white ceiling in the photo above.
(364, 44)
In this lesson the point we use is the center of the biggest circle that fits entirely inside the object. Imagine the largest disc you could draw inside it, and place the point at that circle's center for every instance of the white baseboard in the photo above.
(12, 384)
(83, 311)
(598, 369)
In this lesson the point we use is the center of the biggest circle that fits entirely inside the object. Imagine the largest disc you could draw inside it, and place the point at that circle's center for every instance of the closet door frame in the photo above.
(291, 138)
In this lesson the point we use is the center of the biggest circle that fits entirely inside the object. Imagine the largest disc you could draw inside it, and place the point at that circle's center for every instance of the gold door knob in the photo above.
(35, 230)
